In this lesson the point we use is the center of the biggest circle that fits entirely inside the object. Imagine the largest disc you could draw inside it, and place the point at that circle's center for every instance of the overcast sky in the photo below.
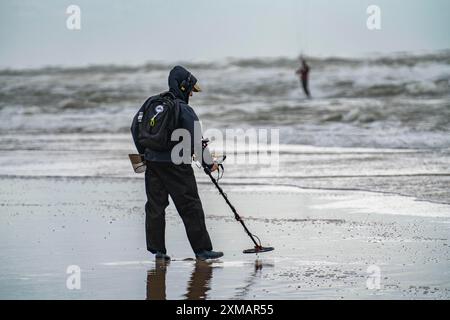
(34, 33)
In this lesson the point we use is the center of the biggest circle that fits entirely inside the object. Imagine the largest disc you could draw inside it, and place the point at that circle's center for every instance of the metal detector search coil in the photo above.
(258, 249)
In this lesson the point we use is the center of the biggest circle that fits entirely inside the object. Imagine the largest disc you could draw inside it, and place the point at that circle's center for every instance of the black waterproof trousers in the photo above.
(161, 180)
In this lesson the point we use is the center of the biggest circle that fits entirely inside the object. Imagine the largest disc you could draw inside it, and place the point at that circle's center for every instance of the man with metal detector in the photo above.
(152, 130)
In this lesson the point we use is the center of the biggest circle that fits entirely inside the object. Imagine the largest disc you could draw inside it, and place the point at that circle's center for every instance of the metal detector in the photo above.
(258, 247)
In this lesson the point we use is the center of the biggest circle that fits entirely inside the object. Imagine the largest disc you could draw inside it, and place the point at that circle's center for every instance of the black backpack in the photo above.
(157, 121)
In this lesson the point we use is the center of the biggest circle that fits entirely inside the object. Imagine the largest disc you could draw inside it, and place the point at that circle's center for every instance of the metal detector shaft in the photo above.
(236, 215)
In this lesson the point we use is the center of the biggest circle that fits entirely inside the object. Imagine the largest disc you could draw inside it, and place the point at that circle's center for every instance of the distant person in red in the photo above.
(303, 73)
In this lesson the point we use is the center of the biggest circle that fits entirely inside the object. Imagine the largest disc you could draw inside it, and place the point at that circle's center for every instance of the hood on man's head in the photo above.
(182, 82)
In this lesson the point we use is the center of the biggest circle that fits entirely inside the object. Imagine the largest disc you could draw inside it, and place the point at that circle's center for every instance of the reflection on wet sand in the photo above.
(197, 286)
(156, 281)
(242, 292)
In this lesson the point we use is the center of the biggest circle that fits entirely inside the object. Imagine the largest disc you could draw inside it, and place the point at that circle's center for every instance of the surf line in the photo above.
(193, 310)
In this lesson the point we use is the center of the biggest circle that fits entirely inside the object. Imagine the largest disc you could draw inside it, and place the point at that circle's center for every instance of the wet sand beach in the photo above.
(324, 241)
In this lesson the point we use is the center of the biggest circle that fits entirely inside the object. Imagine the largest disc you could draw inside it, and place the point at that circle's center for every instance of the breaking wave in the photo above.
(391, 100)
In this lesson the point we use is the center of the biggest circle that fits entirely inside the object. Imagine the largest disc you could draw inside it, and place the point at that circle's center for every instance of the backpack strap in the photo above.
(168, 94)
